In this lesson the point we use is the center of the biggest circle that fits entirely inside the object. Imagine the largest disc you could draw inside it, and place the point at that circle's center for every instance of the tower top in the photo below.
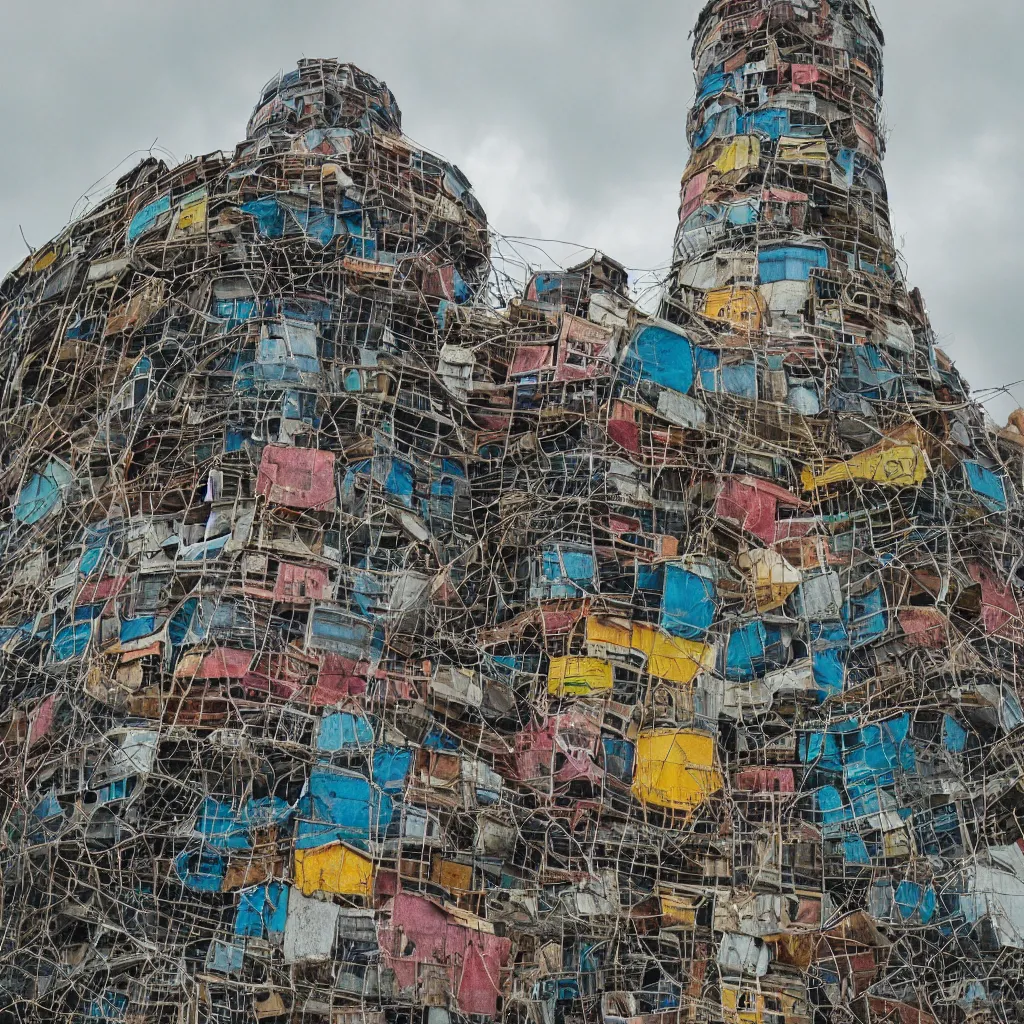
(324, 93)
(784, 220)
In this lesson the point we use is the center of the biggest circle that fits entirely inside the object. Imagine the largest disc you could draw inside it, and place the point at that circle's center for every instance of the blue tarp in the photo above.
(689, 604)
(276, 218)
(344, 731)
(118, 790)
(196, 618)
(202, 871)
(869, 758)
(661, 356)
(618, 757)
(43, 493)
(369, 594)
(438, 739)
(287, 358)
(753, 650)
(987, 485)
(741, 213)
(552, 281)
(865, 617)
(234, 311)
(771, 122)
(224, 828)
(705, 361)
(48, 807)
(460, 289)
(649, 577)
(831, 806)
(914, 901)
(738, 379)
(262, 911)
(90, 560)
(445, 478)
(272, 222)
(821, 749)
(867, 374)
(883, 749)
(147, 216)
(567, 573)
(790, 263)
(722, 124)
(441, 316)
(390, 767)
(234, 440)
(95, 543)
(830, 644)
(395, 476)
(71, 641)
(50, 815)
(299, 405)
(938, 829)
(833, 809)
(855, 851)
(745, 651)
(341, 806)
(23, 632)
(829, 668)
(844, 160)
(111, 1006)
(954, 735)
(715, 82)
(186, 621)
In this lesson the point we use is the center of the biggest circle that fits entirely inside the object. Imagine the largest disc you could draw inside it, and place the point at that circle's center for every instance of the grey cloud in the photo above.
(569, 114)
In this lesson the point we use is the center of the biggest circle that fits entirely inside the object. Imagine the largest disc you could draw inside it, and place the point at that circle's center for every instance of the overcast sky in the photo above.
(567, 115)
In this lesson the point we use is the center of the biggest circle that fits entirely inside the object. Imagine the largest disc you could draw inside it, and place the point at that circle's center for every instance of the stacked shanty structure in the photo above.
(369, 653)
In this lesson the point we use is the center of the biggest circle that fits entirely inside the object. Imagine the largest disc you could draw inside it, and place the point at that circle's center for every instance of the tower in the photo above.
(231, 489)
(873, 664)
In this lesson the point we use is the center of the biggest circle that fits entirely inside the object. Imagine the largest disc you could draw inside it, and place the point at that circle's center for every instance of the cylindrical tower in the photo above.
(784, 222)
(873, 675)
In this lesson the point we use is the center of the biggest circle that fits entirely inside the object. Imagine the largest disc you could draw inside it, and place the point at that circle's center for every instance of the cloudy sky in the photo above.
(567, 115)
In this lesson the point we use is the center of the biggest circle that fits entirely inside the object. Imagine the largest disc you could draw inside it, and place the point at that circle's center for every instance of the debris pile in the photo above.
(371, 653)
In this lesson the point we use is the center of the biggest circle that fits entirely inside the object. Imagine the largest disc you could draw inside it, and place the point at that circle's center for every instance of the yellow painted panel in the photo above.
(336, 868)
(606, 631)
(675, 768)
(678, 660)
(744, 151)
(454, 877)
(803, 151)
(678, 912)
(743, 307)
(668, 657)
(742, 1006)
(901, 465)
(578, 676)
(193, 216)
(43, 260)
